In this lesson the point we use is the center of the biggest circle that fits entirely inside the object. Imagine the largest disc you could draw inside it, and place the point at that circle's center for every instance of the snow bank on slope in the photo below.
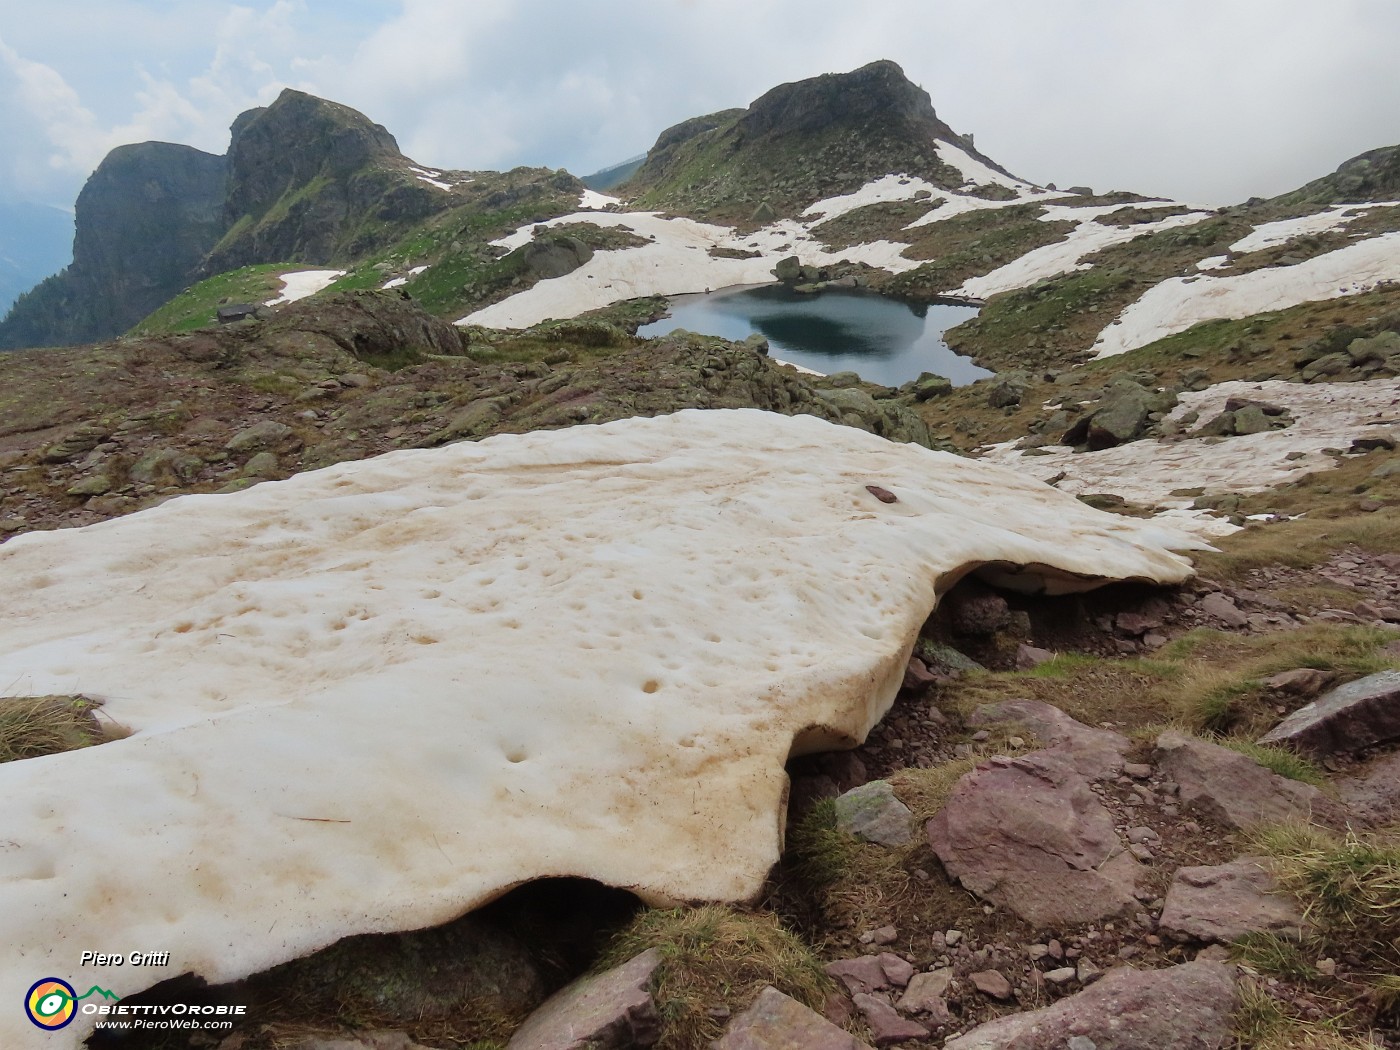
(878, 191)
(1268, 234)
(1051, 260)
(304, 283)
(974, 171)
(677, 260)
(593, 199)
(1326, 415)
(1176, 304)
(371, 697)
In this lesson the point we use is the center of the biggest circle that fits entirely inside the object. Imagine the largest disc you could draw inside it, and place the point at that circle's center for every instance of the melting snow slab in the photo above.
(304, 283)
(374, 696)
(1180, 302)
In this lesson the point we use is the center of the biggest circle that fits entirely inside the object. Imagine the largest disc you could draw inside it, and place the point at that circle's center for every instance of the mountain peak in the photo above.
(801, 142)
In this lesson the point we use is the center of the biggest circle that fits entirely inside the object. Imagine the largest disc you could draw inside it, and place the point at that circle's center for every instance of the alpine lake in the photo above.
(882, 340)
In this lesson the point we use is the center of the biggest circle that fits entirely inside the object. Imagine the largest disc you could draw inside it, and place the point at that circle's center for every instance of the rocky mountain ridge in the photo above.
(1086, 821)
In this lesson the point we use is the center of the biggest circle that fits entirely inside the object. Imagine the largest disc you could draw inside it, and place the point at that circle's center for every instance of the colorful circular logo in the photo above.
(51, 1003)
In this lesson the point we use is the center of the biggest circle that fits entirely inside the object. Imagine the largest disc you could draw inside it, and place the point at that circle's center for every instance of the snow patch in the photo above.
(304, 283)
(1051, 260)
(593, 199)
(974, 171)
(879, 191)
(1326, 415)
(399, 282)
(1180, 302)
(1268, 234)
(353, 713)
(675, 261)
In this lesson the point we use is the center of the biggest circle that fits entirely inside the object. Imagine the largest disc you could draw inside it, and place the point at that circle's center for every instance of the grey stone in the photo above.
(1031, 836)
(610, 1009)
(166, 466)
(262, 465)
(97, 485)
(871, 812)
(777, 1022)
(1234, 790)
(1007, 389)
(1357, 715)
(1223, 609)
(385, 1040)
(1186, 1007)
(929, 386)
(1223, 902)
(265, 434)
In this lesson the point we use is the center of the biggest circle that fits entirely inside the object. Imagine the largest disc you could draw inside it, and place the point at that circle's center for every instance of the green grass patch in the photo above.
(198, 305)
(1278, 760)
(717, 956)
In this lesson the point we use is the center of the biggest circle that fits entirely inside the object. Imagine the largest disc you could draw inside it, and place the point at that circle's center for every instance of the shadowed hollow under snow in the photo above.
(375, 696)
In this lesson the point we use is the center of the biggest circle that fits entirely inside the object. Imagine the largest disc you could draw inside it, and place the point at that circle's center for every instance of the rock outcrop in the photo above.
(145, 220)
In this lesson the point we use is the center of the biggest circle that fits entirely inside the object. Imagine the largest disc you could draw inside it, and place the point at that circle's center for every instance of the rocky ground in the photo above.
(1064, 834)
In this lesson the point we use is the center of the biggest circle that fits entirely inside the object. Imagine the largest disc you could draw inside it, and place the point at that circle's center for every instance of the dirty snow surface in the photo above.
(1179, 302)
(1326, 415)
(304, 283)
(371, 697)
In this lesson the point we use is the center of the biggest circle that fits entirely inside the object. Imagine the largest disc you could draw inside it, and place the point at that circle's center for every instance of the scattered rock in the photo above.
(871, 812)
(1302, 681)
(777, 1022)
(263, 435)
(1357, 715)
(1223, 902)
(866, 973)
(886, 1024)
(927, 995)
(1029, 656)
(1223, 609)
(613, 1008)
(991, 983)
(1186, 1007)
(1234, 790)
(1093, 752)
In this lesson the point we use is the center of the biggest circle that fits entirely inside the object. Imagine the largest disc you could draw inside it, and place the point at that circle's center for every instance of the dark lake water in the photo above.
(883, 340)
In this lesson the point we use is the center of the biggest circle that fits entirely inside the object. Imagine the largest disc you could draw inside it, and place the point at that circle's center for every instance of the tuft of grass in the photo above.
(1278, 760)
(31, 726)
(717, 956)
(1261, 1022)
(1268, 953)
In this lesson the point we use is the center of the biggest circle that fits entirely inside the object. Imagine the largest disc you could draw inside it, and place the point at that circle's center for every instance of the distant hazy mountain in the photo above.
(35, 240)
(616, 175)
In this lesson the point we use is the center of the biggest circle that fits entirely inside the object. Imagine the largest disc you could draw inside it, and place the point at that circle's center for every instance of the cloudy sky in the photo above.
(1209, 101)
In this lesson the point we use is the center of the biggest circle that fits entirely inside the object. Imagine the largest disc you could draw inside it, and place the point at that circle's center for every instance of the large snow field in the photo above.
(352, 711)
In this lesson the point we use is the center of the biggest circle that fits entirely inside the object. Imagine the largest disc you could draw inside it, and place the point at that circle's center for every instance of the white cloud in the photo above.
(1196, 99)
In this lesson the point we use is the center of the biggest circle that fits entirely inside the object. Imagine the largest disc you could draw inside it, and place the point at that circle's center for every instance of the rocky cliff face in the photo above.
(313, 181)
(1370, 176)
(798, 143)
(145, 220)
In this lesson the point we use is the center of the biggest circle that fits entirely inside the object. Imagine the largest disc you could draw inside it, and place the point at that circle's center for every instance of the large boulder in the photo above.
(1357, 715)
(1184, 1007)
(1030, 835)
(1223, 902)
(1234, 790)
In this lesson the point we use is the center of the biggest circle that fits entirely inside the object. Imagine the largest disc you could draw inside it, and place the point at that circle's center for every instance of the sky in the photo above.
(1206, 101)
